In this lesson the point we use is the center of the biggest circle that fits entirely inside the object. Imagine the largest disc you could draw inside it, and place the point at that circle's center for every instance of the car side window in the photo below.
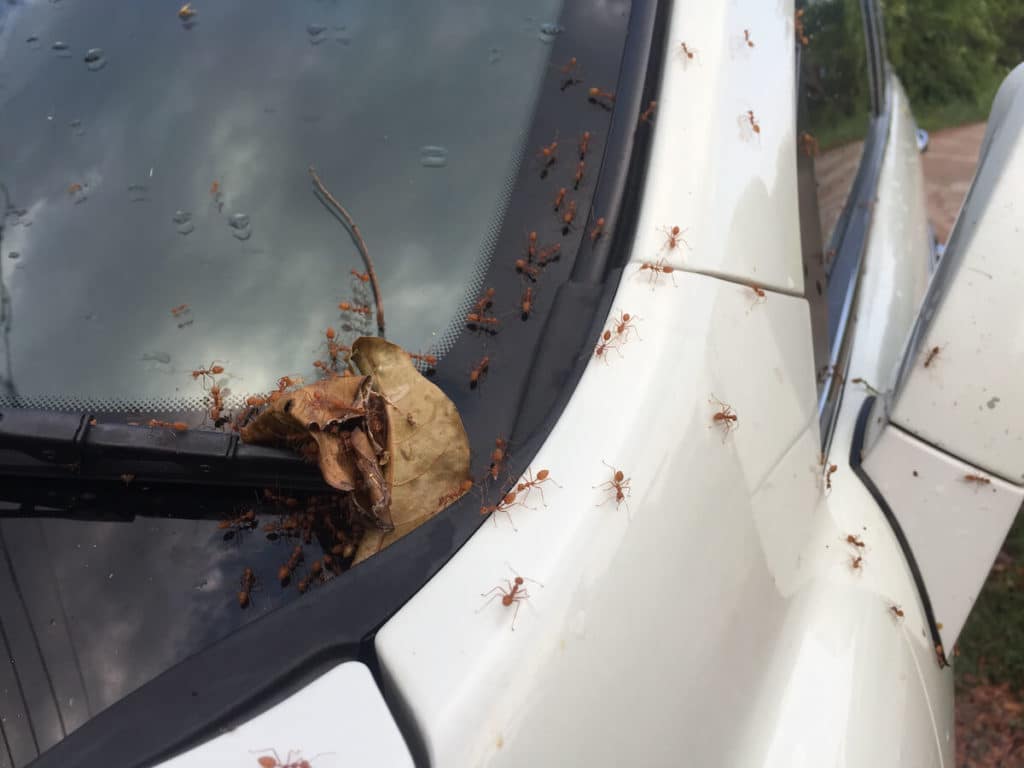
(838, 76)
(837, 89)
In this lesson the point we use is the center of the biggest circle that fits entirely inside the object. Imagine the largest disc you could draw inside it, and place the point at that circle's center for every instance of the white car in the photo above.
(760, 444)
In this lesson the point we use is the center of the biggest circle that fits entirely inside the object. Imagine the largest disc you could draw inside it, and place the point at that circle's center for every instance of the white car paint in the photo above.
(719, 617)
(969, 400)
(936, 502)
(340, 719)
(731, 189)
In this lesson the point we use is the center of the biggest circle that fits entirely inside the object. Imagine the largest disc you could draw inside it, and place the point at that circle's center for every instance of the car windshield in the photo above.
(157, 161)
(159, 214)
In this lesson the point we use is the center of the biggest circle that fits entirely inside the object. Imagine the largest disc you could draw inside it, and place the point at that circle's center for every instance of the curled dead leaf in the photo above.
(427, 443)
(390, 438)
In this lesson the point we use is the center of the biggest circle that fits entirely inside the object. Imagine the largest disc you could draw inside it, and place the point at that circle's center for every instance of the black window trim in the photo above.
(265, 661)
(831, 285)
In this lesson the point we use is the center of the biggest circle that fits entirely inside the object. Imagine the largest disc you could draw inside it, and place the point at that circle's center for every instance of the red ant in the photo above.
(568, 217)
(932, 354)
(507, 502)
(605, 344)
(531, 247)
(979, 479)
(896, 611)
(548, 254)
(856, 562)
(598, 230)
(532, 482)
(179, 310)
(832, 469)
(760, 297)
(275, 762)
(754, 125)
(525, 268)
(178, 426)
(455, 494)
(514, 594)
(673, 237)
(248, 582)
(482, 322)
(478, 372)
(560, 198)
(363, 276)
(218, 403)
(497, 457)
(854, 540)
(746, 38)
(570, 70)
(623, 324)
(526, 302)
(686, 51)
(210, 372)
(285, 571)
(430, 360)
(618, 486)
(798, 27)
(548, 156)
(657, 269)
(484, 302)
(940, 656)
(724, 416)
(809, 144)
(584, 144)
(359, 309)
(577, 179)
(603, 99)
(245, 520)
(648, 113)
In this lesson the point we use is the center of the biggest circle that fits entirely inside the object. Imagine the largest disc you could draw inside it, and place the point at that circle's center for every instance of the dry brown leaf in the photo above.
(426, 443)
(297, 416)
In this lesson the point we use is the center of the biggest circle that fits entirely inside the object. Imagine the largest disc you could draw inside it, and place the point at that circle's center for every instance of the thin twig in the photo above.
(358, 238)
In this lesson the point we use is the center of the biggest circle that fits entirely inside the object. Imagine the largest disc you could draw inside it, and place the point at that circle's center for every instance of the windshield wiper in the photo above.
(49, 445)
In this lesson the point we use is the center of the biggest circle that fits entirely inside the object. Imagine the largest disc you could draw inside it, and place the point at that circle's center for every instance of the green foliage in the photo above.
(952, 54)
(992, 643)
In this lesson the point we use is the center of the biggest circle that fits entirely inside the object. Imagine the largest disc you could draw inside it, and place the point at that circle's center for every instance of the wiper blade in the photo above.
(46, 444)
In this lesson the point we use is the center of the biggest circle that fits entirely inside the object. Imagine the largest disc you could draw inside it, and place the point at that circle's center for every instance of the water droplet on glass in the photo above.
(33, 41)
(316, 33)
(13, 255)
(76, 127)
(494, 56)
(61, 49)
(183, 222)
(548, 32)
(94, 59)
(239, 223)
(433, 157)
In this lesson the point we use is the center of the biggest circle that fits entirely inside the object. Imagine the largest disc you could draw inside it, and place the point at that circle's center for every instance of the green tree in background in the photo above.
(951, 55)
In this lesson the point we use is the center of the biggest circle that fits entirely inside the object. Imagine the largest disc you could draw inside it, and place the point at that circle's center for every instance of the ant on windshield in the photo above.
(571, 70)
(598, 230)
(548, 156)
(749, 121)
(507, 502)
(747, 39)
(248, 582)
(532, 482)
(687, 52)
(478, 371)
(569, 217)
(210, 372)
(584, 144)
(605, 344)
(577, 179)
(602, 98)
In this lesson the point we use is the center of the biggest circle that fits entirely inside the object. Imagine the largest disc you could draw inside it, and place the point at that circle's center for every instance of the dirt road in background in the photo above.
(948, 169)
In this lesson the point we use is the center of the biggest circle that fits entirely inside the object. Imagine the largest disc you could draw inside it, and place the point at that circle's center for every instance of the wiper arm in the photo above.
(45, 444)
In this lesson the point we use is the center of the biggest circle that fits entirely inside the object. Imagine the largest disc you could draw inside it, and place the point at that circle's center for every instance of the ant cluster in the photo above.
(327, 521)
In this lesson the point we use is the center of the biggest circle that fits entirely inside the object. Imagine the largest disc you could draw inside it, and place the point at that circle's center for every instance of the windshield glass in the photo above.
(158, 161)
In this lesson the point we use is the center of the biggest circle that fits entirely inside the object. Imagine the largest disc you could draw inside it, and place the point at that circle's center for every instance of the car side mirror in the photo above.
(946, 449)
